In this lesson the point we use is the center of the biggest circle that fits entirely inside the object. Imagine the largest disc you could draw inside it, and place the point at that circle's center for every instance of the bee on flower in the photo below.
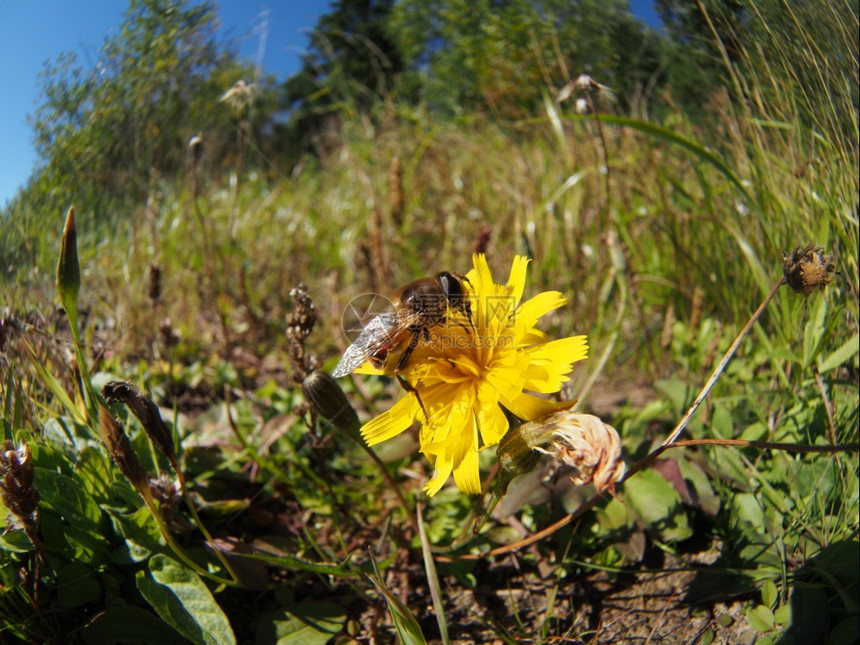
(487, 358)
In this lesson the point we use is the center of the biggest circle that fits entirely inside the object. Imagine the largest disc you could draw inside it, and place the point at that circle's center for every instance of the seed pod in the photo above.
(329, 401)
(122, 453)
(16, 484)
(807, 270)
(147, 413)
(582, 441)
(68, 267)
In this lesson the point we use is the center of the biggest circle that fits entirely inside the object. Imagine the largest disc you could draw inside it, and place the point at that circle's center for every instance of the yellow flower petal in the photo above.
(531, 310)
(440, 476)
(391, 423)
(517, 278)
(467, 476)
(528, 406)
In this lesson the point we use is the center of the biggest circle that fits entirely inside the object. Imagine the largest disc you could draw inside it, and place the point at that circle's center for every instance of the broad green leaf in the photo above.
(68, 497)
(746, 508)
(614, 516)
(658, 505)
(129, 625)
(83, 524)
(77, 584)
(769, 594)
(707, 500)
(722, 423)
(842, 355)
(305, 623)
(93, 466)
(140, 533)
(782, 615)
(182, 599)
(761, 618)
(15, 541)
(756, 431)
(678, 393)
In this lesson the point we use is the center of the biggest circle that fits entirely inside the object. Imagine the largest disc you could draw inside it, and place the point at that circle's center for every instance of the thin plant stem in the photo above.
(682, 424)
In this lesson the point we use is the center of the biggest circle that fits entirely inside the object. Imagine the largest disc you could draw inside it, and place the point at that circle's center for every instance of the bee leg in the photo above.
(413, 343)
(406, 385)
(404, 358)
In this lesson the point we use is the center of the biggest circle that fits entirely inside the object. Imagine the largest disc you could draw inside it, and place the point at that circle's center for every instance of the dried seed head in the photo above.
(809, 269)
(696, 308)
(147, 413)
(300, 324)
(166, 492)
(154, 290)
(582, 441)
(169, 335)
(395, 187)
(584, 85)
(195, 148)
(122, 453)
(668, 327)
(239, 96)
(16, 485)
(482, 241)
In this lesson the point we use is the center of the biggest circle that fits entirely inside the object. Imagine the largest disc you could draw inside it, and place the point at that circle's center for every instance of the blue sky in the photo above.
(34, 31)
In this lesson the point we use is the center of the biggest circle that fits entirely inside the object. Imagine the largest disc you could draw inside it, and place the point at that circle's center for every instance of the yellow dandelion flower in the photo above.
(466, 373)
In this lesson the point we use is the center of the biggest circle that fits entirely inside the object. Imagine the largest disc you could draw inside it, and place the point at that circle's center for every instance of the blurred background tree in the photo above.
(351, 63)
(106, 132)
(499, 56)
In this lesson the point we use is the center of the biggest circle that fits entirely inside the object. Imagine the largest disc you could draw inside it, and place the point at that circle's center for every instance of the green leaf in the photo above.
(782, 616)
(813, 333)
(77, 585)
(15, 541)
(182, 599)
(129, 625)
(841, 355)
(305, 623)
(722, 422)
(707, 500)
(674, 138)
(747, 509)
(69, 498)
(761, 618)
(678, 393)
(140, 533)
(408, 628)
(845, 632)
(53, 384)
(614, 516)
(769, 594)
(658, 505)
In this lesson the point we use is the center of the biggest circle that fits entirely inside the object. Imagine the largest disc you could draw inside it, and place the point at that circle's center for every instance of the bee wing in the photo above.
(376, 335)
